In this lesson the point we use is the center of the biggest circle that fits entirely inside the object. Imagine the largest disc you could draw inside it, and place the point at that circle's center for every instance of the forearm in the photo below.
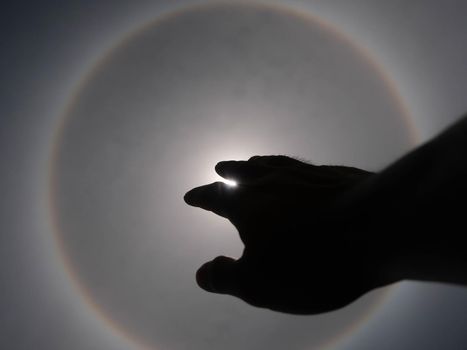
(415, 210)
(432, 178)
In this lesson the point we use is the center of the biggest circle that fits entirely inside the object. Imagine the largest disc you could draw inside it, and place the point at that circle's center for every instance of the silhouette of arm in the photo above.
(420, 201)
(318, 237)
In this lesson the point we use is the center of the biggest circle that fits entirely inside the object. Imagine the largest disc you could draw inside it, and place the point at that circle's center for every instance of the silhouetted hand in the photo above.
(303, 253)
(318, 237)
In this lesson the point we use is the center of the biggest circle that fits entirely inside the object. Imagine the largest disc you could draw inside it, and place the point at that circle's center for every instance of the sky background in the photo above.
(145, 283)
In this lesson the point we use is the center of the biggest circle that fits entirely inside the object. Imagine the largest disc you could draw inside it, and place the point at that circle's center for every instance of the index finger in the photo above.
(216, 197)
(241, 171)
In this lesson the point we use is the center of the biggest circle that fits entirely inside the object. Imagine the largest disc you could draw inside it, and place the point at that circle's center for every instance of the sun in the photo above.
(230, 183)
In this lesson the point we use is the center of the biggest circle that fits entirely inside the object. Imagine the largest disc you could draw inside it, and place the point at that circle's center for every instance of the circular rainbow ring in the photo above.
(102, 60)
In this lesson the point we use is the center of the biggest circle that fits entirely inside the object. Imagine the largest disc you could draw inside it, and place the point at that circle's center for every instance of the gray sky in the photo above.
(150, 122)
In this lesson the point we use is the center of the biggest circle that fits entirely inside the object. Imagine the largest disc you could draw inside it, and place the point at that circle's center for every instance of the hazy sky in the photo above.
(112, 132)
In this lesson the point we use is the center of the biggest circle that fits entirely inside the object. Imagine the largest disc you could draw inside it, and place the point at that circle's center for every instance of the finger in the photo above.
(216, 197)
(277, 161)
(241, 171)
(219, 276)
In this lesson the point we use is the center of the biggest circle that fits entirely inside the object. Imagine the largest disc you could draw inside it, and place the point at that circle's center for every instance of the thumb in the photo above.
(219, 276)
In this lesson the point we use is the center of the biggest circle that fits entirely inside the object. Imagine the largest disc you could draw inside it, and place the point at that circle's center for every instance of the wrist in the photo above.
(425, 260)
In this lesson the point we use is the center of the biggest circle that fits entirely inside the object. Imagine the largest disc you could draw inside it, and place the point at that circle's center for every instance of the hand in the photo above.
(303, 254)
